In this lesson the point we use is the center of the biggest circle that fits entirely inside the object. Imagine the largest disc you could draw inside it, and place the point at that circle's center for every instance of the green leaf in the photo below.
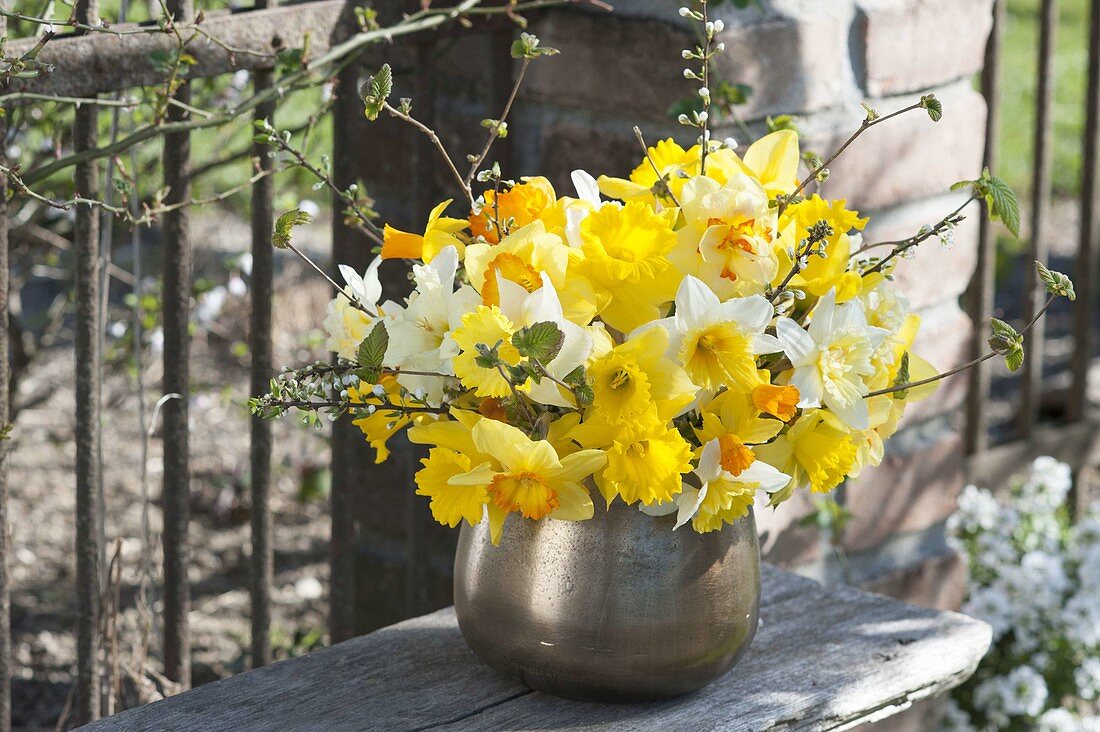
(541, 341)
(488, 358)
(782, 122)
(527, 46)
(289, 60)
(578, 381)
(1056, 282)
(1005, 341)
(1003, 205)
(1014, 359)
(959, 185)
(285, 224)
(376, 91)
(902, 377)
(371, 352)
(1002, 328)
(496, 124)
(162, 60)
(933, 106)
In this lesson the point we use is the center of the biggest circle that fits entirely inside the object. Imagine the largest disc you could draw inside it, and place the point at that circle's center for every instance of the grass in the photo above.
(1018, 84)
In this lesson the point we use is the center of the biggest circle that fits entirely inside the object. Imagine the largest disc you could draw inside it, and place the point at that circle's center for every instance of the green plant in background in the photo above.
(1018, 81)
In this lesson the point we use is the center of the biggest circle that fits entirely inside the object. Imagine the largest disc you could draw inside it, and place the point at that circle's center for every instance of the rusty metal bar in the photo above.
(88, 366)
(5, 440)
(175, 499)
(980, 305)
(263, 268)
(1084, 272)
(425, 196)
(1031, 376)
(101, 62)
(348, 247)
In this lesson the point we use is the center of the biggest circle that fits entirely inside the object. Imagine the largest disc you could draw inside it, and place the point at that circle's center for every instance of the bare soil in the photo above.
(42, 517)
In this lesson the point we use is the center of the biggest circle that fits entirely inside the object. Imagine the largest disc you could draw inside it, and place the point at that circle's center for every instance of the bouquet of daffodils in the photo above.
(1036, 579)
(675, 340)
(702, 335)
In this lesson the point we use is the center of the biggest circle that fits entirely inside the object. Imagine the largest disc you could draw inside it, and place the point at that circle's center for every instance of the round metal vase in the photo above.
(616, 608)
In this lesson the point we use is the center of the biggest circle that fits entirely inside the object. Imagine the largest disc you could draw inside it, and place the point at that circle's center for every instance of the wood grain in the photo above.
(824, 659)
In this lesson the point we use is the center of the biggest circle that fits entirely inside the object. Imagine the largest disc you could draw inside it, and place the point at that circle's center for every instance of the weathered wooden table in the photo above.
(823, 659)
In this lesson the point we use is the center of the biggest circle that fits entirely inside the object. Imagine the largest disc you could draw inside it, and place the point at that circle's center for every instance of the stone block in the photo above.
(905, 493)
(933, 275)
(943, 341)
(906, 158)
(910, 45)
(938, 583)
(632, 67)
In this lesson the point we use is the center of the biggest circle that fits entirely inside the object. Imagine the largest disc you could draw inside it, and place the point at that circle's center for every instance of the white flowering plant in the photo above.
(1035, 578)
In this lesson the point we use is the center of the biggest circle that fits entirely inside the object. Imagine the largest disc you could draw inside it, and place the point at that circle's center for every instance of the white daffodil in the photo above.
(346, 324)
(718, 342)
(420, 332)
(727, 235)
(723, 496)
(543, 305)
(588, 199)
(832, 358)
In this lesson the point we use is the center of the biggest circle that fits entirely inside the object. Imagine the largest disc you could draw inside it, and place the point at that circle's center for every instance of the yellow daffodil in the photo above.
(821, 274)
(521, 204)
(728, 234)
(381, 424)
(773, 160)
(817, 451)
(717, 342)
(725, 494)
(645, 458)
(450, 504)
(453, 453)
(778, 400)
(486, 325)
(635, 378)
(626, 254)
(674, 162)
(522, 257)
(440, 232)
(735, 413)
(528, 477)
(525, 309)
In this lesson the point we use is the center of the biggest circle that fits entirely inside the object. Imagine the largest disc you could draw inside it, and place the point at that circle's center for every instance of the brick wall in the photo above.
(816, 59)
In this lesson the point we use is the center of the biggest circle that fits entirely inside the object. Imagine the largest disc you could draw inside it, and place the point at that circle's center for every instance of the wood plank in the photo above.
(86, 65)
(824, 659)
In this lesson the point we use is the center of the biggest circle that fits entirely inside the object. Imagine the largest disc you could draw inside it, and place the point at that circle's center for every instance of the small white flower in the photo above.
(718, 26)
(1058, 720)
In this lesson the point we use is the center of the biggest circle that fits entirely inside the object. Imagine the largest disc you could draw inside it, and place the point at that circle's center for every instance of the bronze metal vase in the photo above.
(616, 608)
